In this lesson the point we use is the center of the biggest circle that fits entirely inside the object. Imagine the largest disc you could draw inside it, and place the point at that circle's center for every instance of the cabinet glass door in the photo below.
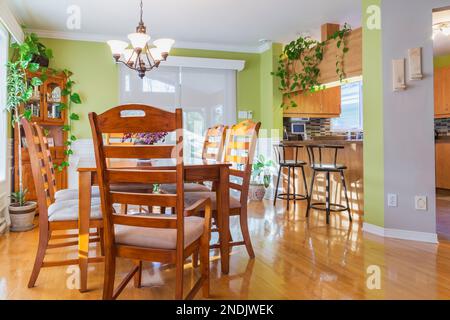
(34, 105)
(54, 99)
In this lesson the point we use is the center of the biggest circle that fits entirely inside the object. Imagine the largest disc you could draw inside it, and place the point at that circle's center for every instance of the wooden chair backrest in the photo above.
(141, 119)
(116, 139)
(240, 148)
(48, 161)
(42, 181)
(214, 143)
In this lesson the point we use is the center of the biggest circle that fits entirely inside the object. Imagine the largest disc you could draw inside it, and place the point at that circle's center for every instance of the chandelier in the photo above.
(140, 56)
(443, 27)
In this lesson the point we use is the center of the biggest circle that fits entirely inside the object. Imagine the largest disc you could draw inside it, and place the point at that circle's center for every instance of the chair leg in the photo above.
(246, 234)
(40, 254)
(278, 184)
(110, 273)
(288, 187)
(195, 258)
(102, 241)
(344, 184)
(179, 270)
(328, 198)
(310, 193)
(138, 276)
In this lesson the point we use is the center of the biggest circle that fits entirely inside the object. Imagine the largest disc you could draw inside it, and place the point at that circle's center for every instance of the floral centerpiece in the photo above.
(146, 138)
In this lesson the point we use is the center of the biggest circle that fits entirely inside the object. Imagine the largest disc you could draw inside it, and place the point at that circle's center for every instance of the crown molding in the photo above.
(178, 44)
(11, 22)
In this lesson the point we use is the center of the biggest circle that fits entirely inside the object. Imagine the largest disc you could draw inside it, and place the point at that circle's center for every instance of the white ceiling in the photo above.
(441, 41)
(229, 24)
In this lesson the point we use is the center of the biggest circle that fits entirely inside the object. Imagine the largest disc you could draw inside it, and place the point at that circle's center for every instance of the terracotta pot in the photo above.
(22, 217)
(256, 192)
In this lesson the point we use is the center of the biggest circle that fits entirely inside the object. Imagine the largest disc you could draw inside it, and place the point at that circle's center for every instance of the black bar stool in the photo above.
(280, 152)
(315, 159)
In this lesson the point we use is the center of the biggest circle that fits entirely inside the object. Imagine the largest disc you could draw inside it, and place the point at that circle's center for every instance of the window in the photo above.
(3, 115)
(207, 97)
(351, 109)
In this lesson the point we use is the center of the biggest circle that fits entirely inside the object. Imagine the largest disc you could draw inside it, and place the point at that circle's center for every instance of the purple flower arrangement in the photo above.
(147, 138)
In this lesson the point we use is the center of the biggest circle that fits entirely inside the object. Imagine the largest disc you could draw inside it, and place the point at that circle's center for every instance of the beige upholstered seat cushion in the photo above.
(68, 210)
(191, 197)
(188, 187)
(159, 238)
(72, 194)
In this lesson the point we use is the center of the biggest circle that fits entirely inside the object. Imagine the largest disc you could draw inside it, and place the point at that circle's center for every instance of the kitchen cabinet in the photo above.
(320, 104)
(442, 92)
(443, 165)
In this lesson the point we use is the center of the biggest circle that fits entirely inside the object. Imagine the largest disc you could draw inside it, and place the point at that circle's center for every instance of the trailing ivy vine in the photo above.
(309, 53)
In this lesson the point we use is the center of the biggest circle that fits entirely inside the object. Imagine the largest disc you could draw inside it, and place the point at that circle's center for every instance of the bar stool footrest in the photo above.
(292, 197)
(334, 207)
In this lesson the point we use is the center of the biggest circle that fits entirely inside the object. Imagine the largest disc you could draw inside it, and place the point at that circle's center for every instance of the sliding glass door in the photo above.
(207, 97)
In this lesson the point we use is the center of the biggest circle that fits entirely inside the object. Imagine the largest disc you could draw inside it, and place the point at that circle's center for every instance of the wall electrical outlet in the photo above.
(421, 203)
(392, 200)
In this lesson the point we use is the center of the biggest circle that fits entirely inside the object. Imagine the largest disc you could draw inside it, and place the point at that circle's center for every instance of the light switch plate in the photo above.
(392, 200)
(242, 114)
(421, 203)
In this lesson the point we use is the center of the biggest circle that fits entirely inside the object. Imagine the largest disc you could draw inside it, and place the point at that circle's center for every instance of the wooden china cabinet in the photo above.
(45, 106)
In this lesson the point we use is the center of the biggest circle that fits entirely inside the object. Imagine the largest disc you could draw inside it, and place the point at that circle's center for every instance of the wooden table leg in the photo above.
(223, 213)
(84, 214)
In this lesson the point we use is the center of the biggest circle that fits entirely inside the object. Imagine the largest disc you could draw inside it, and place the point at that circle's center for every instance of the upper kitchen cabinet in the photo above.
(321, 104)
(442, 92)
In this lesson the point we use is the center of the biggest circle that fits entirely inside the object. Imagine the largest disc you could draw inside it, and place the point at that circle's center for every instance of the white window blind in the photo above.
(351, 118)
(207, 97)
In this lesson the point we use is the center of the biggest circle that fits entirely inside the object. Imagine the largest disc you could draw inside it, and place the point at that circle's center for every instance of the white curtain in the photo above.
(207, 97)
(4, 172)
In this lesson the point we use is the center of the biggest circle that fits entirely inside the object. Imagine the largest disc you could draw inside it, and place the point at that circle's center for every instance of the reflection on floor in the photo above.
(295, 259)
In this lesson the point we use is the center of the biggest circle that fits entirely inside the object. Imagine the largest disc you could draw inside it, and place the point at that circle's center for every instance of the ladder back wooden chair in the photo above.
(212, 150)
(146, 237)
(240, 148)
(53, 216)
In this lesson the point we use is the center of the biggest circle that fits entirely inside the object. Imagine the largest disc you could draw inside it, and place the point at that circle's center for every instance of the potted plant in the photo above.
(261, 178)
(41, 54)
(19, 91)
(21, 211)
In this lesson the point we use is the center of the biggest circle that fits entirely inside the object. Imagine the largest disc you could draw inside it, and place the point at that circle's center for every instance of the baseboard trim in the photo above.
(400, 234)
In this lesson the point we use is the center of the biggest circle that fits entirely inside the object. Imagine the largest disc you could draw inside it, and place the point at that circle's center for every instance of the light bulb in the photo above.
(164, 45)
(117, 47)
(156, 54)
(139, 40)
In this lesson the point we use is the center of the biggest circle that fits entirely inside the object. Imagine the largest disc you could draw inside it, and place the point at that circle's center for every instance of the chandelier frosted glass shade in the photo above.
(139, 40)
(164, 45)
(117, 47)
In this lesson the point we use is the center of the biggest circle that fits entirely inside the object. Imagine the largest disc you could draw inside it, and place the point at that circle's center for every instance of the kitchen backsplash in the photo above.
(442, 126)
(315, 127)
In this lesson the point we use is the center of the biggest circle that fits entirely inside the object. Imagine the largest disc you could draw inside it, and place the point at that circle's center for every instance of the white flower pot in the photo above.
(22, 217)
(256, 192)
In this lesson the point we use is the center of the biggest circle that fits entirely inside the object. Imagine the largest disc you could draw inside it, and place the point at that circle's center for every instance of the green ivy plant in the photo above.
(20, 88)
(309, 53)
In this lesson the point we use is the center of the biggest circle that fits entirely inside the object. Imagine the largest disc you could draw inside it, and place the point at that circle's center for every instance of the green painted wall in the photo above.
(97, 76)
(373, 122)
(271, 97)
(442, 61)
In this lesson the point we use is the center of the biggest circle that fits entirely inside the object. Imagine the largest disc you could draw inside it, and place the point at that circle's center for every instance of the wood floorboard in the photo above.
(295, 259)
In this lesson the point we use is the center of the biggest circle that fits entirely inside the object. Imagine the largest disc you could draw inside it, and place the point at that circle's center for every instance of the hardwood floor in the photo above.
(295, 259)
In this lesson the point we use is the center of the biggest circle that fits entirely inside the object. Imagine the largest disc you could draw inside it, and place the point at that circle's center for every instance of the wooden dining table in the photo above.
(195, 170)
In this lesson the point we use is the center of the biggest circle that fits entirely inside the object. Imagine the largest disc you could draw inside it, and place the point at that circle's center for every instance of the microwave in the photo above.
(298, 128)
